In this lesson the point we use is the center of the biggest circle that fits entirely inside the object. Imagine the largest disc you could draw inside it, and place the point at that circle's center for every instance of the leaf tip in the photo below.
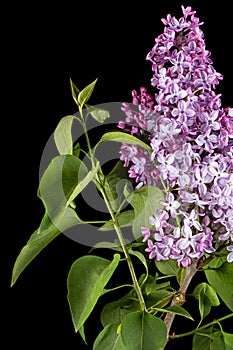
(14, 278)
(12, 283)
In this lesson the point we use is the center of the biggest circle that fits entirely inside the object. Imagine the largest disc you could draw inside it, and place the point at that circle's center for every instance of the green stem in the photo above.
(121, 206)
(116, 224)
(126, 253)
(87, 138)
(201, 328)
(116, 288)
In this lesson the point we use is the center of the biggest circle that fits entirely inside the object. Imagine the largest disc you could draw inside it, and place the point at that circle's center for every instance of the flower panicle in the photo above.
(191, 138)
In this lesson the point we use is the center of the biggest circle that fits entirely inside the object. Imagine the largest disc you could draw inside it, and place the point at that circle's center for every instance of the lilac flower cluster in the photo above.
(191, 139)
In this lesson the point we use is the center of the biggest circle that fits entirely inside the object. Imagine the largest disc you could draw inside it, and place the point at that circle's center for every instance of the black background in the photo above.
(43, 46)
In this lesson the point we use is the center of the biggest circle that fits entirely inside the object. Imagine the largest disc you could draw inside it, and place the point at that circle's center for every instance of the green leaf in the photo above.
(218, 342)
(59, 186)
(109, 245)
(144, 201)
(125, 219)
(167, 267)
(59, 183)
(114, 183)
(228, 340)
(76, 150)
(221, 280)
(181, 274)
(109, 338)
(86, 93)
(218, 261)
(119, 136)
(63, 136)
(177, 310)
(141, 331)
(57, 189)
(212, 339)
(171, 268)
(86, 281)
(62, 181)
(207, 297)
(75, 91)
(83, 182)
(209, 292)
(115, 311)
(159, 298)
(82, 333)
(127, 189)
(204, 304)
(99, 114)
(141, 257)
(41, 238)
(202, 339)
(151, 285)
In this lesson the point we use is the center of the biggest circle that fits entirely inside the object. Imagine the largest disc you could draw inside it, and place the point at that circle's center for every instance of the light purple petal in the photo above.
(174, 88)
(190, 113)
(182, 94)
(230, 257)
(200, 140)
(183, 243)
(213, 138)
(202, 189)
(186, 231)
(197, 225)
(183, 180)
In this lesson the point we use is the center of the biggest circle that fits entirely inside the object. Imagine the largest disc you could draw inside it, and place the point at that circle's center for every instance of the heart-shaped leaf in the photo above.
(109, 338)
(86, 281)
(221, 280)
(140, 330)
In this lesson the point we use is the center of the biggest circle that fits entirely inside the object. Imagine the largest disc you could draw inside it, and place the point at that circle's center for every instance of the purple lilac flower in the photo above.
(171, 204)
(209, 121)
(203, 245)
(179, 174)
(201, 179)
(230, 255)
(188, 239)
(207, 140)
(182, 112)
(175, 93)
(191, 220)
(191, 139)
(159, 219)
(146, 233)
